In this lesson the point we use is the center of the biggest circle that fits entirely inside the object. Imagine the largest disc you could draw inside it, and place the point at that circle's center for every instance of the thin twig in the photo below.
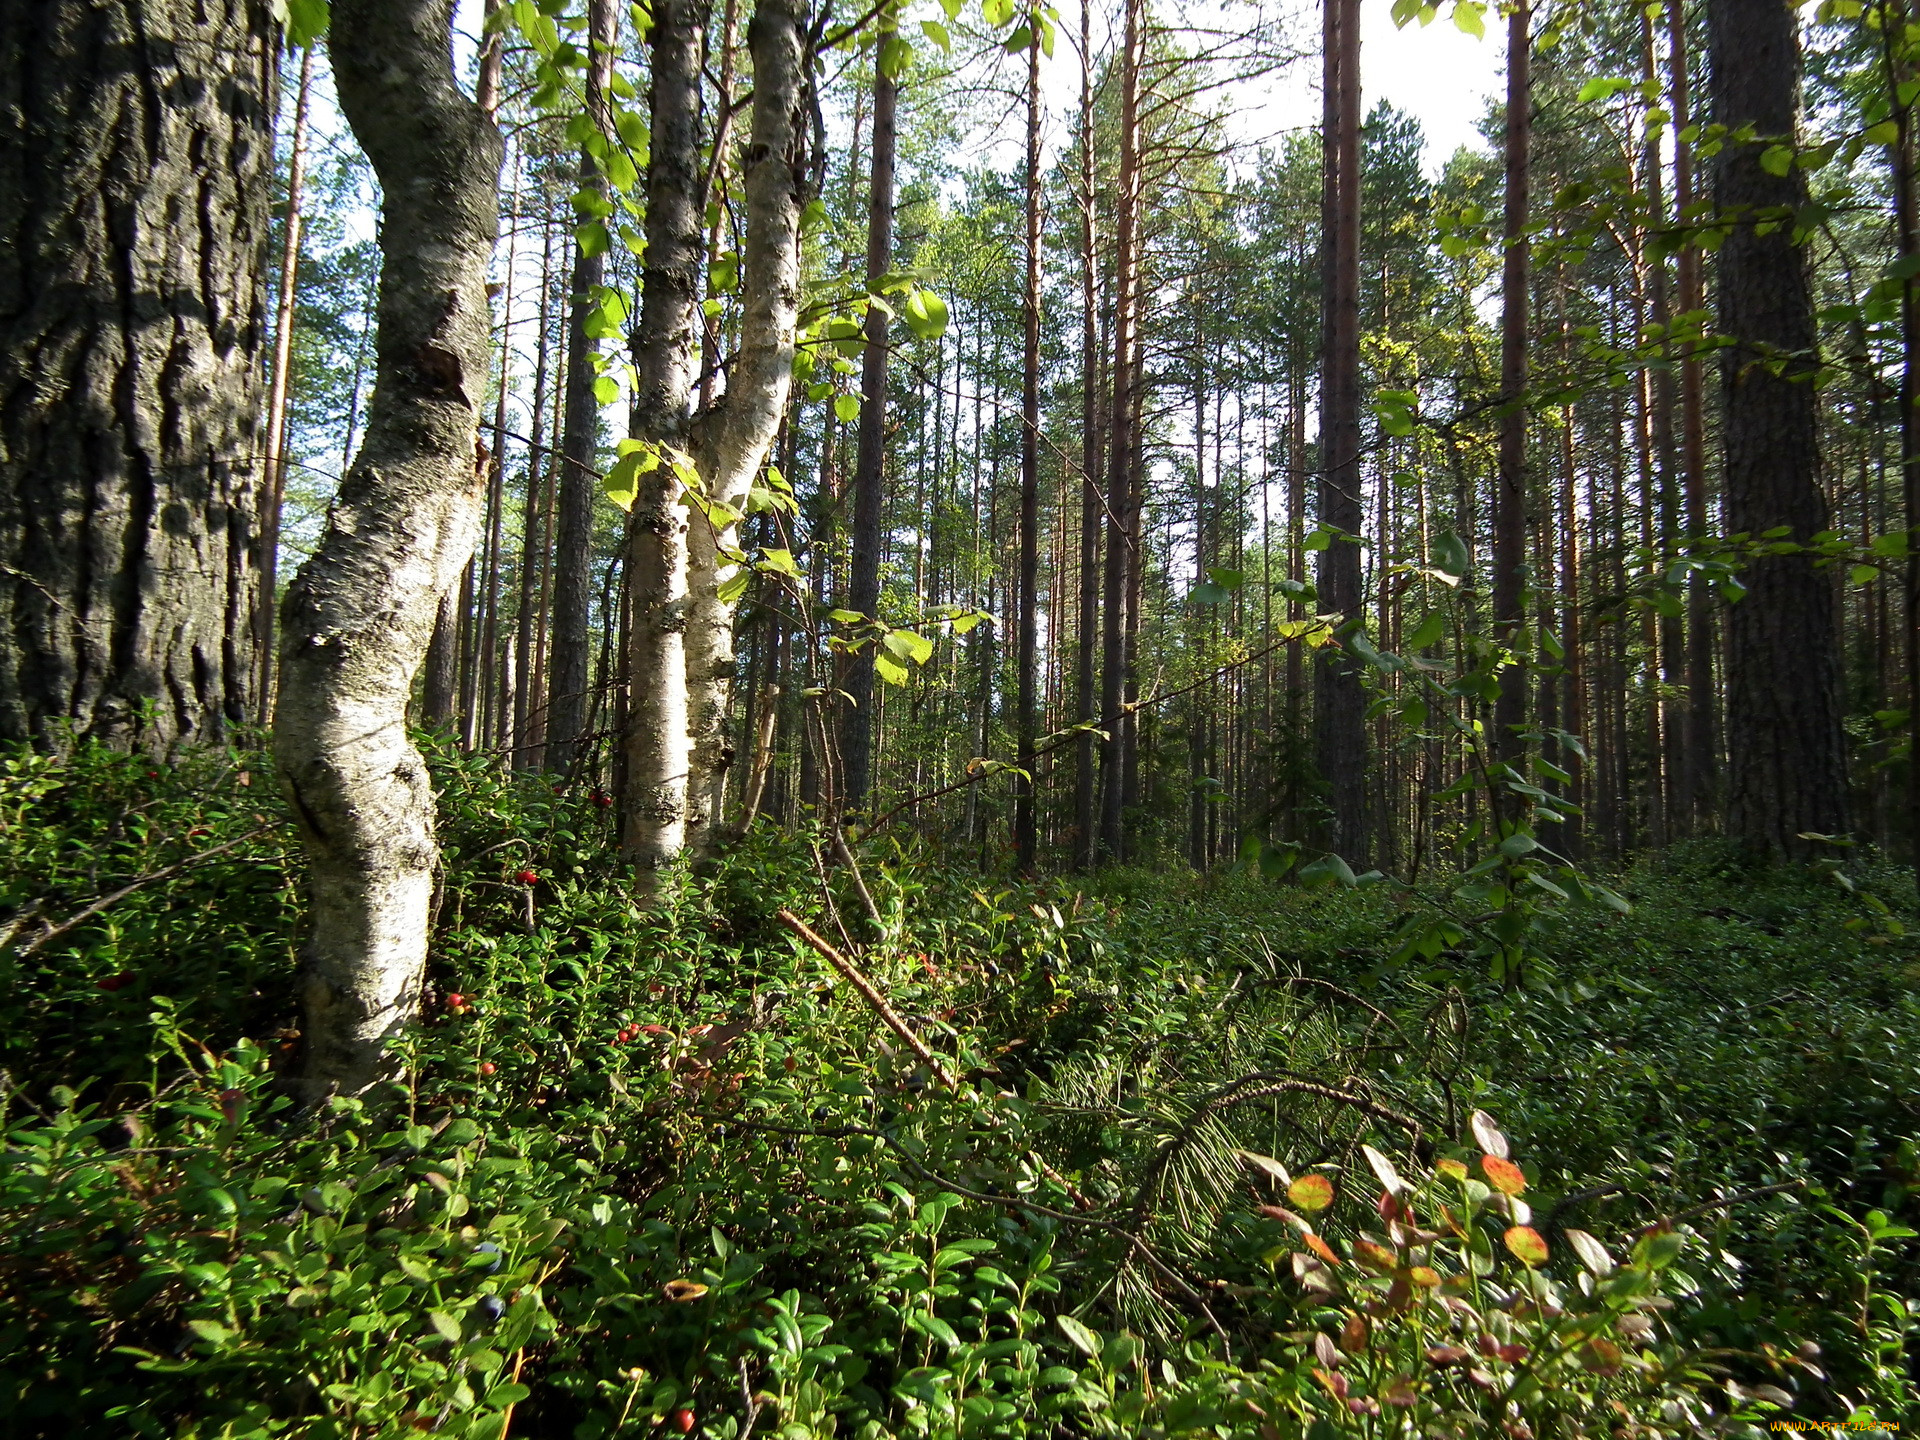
(105, 901)
(868, 992)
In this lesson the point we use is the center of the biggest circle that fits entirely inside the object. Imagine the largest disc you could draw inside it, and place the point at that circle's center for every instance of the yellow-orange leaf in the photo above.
(1526, 1245)
(1452, 1169)
(1311, 1192)
(1320, 1248)
(1503, 1175)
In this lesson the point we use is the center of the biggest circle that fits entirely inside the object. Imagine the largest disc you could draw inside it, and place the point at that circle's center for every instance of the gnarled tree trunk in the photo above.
(359, 615)
(134, 201)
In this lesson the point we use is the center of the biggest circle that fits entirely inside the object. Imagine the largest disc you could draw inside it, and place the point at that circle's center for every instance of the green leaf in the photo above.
(937, 33)
(997, 12)
(1430, 630)
(895, 55)
(1467, 18)
(1604, 88)
(1862, 574)
(1887, 132)
(846, 408)
(1019, 40)
(1209, 594)
(779, 562)
(592, 238)
(889, 669)
(926, 314)
(909, 646)
(306, 20)
(1227, 579)
(1449, 555)
(1776, 159)
(1084, 1340)
(447, 1327)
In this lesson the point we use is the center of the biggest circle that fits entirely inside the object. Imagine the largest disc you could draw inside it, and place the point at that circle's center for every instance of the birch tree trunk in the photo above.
(733, 437)
(665, 358)
(135, 188)
(359, 615)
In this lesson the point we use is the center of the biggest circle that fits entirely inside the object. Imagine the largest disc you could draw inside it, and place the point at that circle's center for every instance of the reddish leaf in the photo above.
(1425, 1276)
(1354, 1334)
(1321, 1248)
(1375, 1257)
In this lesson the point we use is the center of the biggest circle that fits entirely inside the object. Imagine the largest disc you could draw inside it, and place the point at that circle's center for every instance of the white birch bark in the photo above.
(358, 617)
(734, 436)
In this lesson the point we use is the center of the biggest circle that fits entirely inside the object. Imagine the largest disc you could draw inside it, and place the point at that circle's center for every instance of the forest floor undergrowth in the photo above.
(1193, 1156)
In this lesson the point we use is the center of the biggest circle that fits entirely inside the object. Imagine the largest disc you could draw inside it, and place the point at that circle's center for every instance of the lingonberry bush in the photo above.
(1190, 1158)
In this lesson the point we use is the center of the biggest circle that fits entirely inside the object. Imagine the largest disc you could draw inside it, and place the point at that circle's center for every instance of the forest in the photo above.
(949, 720)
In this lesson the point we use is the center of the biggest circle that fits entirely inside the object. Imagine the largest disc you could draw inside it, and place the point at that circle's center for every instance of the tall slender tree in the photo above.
(576, 484)
(1510, 489)
(869, 471)
(1025, 827)
(1786, 775)
(1339, 697)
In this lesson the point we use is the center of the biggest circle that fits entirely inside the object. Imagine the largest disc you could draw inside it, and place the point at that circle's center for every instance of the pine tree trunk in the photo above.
(1025, 834)
(134, 205)
(1786, 769)
(1340, 700)
(1085, 779)
(576, 483)
(869, 478)
(1510, 489)
(286, 313)
(1121, 540)
(1702, 716)
(359, 615)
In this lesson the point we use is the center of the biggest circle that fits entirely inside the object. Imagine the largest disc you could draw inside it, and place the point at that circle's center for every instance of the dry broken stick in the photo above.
(868, 992)
(54, 932)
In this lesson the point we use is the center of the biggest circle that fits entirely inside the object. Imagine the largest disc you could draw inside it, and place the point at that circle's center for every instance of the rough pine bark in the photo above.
(1121, 539)
(1339, 699)
(1510, 487)
(869, 470)
(1786, 772)
(1025, 831)
(135, 188)
(359, 615)
(576, 483)
(734, 435)
(1085, 785)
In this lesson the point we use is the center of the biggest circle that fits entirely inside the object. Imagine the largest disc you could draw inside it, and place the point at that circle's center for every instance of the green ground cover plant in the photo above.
(1194, 1157)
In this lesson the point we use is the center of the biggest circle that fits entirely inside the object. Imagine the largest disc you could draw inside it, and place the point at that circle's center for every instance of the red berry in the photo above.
(527, 877)
(683, 1421)
(486, 1067)
(455, 1001)
(115, 982)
